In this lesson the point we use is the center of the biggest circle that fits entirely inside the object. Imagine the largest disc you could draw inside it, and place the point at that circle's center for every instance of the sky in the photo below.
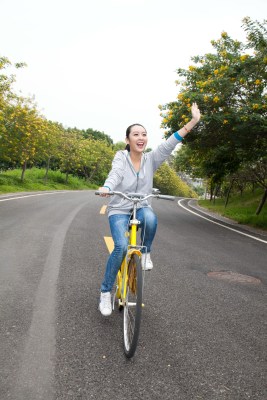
(106, 64)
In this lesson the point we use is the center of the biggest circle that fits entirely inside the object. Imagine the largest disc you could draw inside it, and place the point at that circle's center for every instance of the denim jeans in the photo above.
(118, 226)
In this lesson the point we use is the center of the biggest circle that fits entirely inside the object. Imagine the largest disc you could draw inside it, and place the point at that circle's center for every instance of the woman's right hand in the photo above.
(104, 191)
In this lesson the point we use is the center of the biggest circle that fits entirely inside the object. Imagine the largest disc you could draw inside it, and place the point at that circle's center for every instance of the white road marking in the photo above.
(224, 226)
(32, 195)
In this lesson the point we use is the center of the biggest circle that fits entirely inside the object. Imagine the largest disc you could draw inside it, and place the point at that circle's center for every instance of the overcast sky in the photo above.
(105, 64)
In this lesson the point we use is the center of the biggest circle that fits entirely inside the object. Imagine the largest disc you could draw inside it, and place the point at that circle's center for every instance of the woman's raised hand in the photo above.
(195, 112)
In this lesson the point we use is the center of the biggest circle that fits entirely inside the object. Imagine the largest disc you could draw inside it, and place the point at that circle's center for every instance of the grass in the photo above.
(241, 209)
(34, 181)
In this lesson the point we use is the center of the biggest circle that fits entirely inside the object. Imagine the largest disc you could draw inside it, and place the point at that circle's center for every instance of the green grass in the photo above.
(34, 181)
(241, 209)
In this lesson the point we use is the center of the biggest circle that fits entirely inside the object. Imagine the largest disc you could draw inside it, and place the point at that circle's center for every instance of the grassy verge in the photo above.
(34, 181)
(241, 209)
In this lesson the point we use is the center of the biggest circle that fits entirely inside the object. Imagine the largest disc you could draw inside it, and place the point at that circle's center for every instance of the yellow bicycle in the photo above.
(130, 277)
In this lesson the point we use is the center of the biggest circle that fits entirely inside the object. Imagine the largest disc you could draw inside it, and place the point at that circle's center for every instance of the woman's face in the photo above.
(137, 139)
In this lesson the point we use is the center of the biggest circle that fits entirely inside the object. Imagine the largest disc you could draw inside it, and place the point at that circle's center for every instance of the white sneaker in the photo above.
(105, 306)
(147, 264)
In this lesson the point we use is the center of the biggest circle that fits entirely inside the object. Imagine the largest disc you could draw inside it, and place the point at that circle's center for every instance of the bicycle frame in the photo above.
(133, 248)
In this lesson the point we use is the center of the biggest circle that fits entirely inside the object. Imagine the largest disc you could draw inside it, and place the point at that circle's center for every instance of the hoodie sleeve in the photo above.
(116, 173)
(163, 151)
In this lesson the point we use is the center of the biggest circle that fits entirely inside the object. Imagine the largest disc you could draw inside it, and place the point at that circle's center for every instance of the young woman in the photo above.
(132, 171)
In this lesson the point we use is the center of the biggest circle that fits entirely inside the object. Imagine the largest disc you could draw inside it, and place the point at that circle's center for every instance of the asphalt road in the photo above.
(203, 336)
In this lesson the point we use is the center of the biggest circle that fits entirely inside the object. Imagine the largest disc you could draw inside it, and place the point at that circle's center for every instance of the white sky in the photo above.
(105, 64)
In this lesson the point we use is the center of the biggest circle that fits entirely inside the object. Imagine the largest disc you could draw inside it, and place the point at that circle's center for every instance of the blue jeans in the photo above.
(118, 226)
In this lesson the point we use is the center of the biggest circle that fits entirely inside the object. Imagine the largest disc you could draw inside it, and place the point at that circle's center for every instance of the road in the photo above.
(203, 333)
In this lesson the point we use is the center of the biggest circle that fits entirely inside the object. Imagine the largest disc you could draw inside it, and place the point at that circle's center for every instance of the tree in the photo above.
(27, 138)
(22, 133)
(229, 87)
(6, 80)
(50, 149)
(119, 146)
(70, 151)
(97, 135)
(258, 174)
(96, 160)
(166, 180)
(7, 99)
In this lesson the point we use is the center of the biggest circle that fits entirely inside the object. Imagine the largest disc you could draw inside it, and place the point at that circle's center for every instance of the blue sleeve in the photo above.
(177, 136)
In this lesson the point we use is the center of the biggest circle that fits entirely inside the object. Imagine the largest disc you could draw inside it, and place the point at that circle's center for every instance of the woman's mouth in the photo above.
(140, 145)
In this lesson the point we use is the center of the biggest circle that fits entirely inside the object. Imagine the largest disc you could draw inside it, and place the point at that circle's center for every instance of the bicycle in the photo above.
(130, 277)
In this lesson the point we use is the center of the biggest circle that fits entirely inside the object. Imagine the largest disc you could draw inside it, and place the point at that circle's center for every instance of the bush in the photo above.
(166, 180)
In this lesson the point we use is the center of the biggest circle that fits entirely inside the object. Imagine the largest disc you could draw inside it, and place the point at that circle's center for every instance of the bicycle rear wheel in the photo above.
(133, 306)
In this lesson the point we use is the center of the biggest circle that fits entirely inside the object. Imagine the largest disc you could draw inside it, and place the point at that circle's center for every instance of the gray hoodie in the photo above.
(123, 177)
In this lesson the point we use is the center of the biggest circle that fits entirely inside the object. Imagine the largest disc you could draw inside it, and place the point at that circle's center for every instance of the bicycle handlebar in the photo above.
(136, 196)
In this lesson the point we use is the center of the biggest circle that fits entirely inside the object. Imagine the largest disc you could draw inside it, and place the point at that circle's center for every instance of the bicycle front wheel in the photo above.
(133, 306)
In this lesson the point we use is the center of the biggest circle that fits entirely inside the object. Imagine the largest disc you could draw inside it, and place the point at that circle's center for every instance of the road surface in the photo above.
(204, 325)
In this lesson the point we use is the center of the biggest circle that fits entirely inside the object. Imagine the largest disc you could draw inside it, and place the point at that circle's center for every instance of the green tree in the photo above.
(97, 135)
(96, 160)
(53, 135)
(6, 80)
(119, 146)
(257, 174)
(70, 151)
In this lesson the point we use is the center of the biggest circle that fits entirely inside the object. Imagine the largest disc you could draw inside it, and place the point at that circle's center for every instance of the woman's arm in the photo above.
(162, 152)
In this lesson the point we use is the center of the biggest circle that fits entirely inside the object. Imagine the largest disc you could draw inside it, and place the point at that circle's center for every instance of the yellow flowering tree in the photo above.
(22, 134)
(229, 86)
(27, 138)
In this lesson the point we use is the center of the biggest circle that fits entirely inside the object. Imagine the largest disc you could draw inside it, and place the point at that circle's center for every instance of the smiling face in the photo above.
(137, 139)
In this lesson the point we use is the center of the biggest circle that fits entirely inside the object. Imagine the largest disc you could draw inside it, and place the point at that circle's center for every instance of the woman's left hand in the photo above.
(195, 112)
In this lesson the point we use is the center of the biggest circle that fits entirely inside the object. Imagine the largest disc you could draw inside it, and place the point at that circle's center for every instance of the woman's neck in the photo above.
(135, 157)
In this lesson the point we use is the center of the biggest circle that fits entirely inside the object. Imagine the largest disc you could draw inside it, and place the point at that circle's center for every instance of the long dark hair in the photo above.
(128, 130)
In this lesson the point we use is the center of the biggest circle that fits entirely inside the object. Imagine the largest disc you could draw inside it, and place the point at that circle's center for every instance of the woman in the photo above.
(132, 171)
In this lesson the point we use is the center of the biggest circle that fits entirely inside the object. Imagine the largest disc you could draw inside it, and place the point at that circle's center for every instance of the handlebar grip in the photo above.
(99, 192)
(166, 197)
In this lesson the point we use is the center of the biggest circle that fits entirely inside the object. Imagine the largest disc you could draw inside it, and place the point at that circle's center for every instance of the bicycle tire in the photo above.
(133, 307)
